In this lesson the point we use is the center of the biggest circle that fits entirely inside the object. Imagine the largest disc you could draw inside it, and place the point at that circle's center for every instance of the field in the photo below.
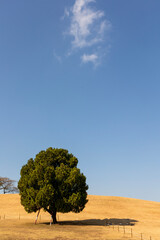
(127, 219)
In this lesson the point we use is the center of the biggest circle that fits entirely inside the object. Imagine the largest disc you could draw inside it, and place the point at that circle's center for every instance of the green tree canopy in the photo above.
(53, 182)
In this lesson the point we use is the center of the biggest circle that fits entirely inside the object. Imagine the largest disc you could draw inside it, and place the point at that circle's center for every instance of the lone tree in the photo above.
(53, 182)
(7, 185)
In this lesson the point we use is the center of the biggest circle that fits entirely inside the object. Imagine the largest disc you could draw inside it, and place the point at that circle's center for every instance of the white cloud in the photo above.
(89, 58)
(87, 29)
(84, 24)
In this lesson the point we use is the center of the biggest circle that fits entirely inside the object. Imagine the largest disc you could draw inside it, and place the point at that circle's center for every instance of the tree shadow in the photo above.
(123, 221)
(99, 222)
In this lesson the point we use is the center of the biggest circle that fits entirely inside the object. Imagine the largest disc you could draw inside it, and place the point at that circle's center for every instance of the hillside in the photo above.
(142, 216)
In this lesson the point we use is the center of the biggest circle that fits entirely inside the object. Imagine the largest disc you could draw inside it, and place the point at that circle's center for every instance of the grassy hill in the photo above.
(122, 214)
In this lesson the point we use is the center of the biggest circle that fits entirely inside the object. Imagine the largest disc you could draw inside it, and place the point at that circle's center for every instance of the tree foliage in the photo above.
(53, 182)
(7, 185)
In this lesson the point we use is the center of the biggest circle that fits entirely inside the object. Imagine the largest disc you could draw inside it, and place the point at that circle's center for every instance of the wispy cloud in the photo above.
(82, 28)
(66, 14)
(87, 28)
(89, 58)
(57, 57)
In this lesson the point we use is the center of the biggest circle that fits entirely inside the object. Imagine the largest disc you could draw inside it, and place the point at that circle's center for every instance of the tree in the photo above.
(7, 185)
(53, 182)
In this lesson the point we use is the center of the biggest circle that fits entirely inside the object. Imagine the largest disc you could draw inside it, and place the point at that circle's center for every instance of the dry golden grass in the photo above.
(141, 216)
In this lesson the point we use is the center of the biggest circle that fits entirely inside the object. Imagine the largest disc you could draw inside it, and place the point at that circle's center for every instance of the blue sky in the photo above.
(83, 75)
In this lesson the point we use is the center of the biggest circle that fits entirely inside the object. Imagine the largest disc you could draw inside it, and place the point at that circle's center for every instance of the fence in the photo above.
(32, 216)
(18, 216)
(128, 232)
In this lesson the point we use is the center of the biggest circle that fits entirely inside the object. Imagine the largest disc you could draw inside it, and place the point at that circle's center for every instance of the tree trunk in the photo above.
(54, 217)
(37, 216)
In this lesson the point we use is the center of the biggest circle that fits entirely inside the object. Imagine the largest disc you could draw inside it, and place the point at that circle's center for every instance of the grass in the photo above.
(121, 214)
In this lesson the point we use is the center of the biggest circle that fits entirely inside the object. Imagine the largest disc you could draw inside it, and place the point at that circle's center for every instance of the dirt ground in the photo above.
(111, 218)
